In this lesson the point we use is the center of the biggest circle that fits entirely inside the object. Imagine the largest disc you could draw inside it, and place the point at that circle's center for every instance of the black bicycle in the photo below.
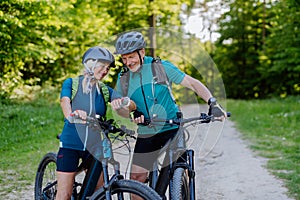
(176, 172)
(88, 172)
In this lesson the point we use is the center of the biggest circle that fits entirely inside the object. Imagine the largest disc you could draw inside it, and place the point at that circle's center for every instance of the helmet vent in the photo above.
(132, 43)
(102, 52)
(125, 44)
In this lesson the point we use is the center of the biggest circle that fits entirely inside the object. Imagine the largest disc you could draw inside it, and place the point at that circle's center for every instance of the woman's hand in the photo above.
(80, 114)
(123, 106)
(116, 104)
(123, 102)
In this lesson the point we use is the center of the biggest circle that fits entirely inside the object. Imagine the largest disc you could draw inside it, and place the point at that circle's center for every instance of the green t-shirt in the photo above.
(157, 96)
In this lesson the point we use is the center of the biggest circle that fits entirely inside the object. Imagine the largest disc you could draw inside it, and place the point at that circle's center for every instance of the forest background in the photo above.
(257, 52)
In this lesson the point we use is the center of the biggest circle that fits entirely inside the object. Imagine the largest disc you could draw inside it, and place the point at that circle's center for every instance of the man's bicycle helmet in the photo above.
(99, 54)
(130, 42)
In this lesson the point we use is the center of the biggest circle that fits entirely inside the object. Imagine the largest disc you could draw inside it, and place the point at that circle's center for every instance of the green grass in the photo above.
(272, 127)
(27, 132)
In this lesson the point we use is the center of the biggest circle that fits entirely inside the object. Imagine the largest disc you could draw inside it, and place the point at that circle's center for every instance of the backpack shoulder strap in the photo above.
(160, 76)
(75, 82)
(158, 71)
(124, 81)
(103, 88)
(105, 93)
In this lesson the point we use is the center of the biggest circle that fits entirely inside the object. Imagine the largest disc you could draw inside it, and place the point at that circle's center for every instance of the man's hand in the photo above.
(216, 109)
(139, 118)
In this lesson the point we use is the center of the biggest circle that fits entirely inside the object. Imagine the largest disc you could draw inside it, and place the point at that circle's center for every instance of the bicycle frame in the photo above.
(177, 156)
(115, 186)
(160, 179)
(101, 156)
(93, 172)
(92, 175)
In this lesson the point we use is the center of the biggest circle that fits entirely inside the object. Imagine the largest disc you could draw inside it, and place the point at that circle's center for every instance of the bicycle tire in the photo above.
(46, 176)
(180, 189)
(127, 187)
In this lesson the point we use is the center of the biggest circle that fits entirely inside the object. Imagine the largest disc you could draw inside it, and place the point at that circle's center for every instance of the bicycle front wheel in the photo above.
(180, 190)
(45, 181)
(123, 189)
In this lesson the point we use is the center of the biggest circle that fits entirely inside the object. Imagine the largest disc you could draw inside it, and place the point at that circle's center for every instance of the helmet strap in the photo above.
(140, 57)
(88, 71)
(90, 76)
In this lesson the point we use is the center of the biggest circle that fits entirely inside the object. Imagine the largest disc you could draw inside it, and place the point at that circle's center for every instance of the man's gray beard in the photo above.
(136, 68)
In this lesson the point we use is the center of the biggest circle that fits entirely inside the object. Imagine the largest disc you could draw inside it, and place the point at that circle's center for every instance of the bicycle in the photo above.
(177, 169)
(115, 186)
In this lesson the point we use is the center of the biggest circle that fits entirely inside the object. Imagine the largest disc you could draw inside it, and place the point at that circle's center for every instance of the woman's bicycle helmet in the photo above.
(99, 54)
(130, 42)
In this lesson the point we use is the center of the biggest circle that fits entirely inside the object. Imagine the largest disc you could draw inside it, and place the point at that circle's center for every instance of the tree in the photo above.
(258, 52)
(26, 42)
(43, 41)
(280, 58)
(237, 54)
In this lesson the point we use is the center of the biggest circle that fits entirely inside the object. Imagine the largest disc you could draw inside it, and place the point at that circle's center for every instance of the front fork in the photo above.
(109, 181)
(191, 173)
(189, 165)
(160, 183)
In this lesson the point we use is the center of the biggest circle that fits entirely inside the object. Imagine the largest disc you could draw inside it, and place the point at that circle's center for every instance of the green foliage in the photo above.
(258, 52)
(25, 41)
(43, 41)
(238, 49)
(272, 126)
(281, 54)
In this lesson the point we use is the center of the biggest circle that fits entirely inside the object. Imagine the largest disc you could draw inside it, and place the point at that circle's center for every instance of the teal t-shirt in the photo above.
(159, 101)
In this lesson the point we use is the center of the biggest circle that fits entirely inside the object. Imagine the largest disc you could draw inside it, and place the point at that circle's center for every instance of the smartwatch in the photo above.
(212, 100)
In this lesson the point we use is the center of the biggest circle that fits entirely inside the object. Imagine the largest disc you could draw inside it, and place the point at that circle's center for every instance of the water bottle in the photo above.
(106, 148)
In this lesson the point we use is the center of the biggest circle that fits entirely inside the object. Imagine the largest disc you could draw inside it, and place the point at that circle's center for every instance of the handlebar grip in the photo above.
(228, 114)
(130, 132)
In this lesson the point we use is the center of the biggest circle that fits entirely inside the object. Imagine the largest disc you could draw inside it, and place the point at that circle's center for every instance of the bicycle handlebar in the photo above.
(108, 125)
(203, 118)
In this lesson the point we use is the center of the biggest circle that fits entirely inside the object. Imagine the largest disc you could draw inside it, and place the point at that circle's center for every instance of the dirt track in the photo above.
(231, 171)
(226, 170)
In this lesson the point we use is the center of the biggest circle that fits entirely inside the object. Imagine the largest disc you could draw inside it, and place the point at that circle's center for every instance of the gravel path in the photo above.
(225, 167)
(231, 170)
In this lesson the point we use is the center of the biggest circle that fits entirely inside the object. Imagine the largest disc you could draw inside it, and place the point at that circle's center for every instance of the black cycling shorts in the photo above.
(147, 148)
(68, 159)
